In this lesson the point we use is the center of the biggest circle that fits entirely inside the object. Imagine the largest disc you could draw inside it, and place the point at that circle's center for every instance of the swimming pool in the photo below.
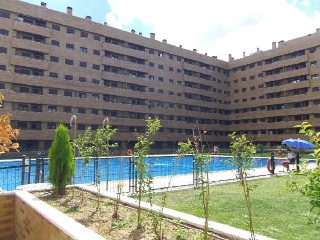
(13, 174)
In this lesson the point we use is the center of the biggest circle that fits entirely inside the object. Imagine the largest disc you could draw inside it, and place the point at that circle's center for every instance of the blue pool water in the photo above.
(116, 169)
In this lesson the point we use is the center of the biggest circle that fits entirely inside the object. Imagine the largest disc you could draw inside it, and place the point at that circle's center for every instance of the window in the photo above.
(312, 50)
(68, 77)
(82, 79)
(179, 94)
(179, 71)
(55, 43)
(83, 49)
(95, 81)
(313, 63)
(160, 66)
(151, 89)
(179, 59)
(171, 93)
(244, 89)
(52, 108)
(314, 76)
(95, 96)
(3, 67)
(170, 56)
(160, 54)
(4, 32)
(95, 111)
(252, 77)
(51, 126)
(171, 81)
(54, 59)
(81, 127)
(243, 68)
(315, 89)
(70, 30)
(160, 79)
(56, 27)
(70, 46)
(243, 79)
(259, 63)
(96, 52)
(82, 95)
(179, 83)
(83, 64)
(67, 109)
(96, 37)
(260, 75)
(160, 91)
(53, 75)
(53, 91)
(82, 110)
(4, 14)
(171, 69)
(96, 67)
(151, 64)
(84, 34)
(151, 77)
(67, 93)
(151, 51)
(69, 61)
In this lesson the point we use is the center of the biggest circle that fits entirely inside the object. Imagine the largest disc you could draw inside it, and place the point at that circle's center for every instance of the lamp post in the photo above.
(73, 120)
(107, 160)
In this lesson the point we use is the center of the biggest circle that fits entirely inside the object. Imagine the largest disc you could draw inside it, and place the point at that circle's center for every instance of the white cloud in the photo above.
(216, 27)
(305, 3)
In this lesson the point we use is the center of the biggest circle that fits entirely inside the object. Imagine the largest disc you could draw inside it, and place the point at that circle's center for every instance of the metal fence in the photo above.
(166, 171)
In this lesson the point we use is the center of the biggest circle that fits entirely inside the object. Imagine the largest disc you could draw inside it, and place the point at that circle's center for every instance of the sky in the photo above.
(215, 27)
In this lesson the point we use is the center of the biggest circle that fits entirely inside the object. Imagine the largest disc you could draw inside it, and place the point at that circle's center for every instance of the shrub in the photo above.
(61, 163)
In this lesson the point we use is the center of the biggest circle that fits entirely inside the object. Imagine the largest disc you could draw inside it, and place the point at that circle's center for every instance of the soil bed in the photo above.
(124, 226)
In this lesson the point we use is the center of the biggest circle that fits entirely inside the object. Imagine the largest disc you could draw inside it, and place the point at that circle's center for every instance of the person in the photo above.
(216, 150)
(272, 164)
(290, 159)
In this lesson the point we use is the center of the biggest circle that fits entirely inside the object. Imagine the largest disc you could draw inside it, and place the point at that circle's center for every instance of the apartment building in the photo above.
(55, 67)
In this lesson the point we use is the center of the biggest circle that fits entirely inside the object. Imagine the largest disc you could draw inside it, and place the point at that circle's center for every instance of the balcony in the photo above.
(31, 45)
(17, 60)
(29, 28)
(125, 64)
(124, 51)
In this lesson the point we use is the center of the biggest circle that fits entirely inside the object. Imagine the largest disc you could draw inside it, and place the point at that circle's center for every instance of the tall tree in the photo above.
(61, 160)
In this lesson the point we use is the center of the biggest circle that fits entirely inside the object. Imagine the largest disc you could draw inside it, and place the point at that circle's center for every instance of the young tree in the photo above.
(311, 188)
(61, 160)
(83, 144)
(242, 152)
(142, 149)
(101, 145)
(197, 147)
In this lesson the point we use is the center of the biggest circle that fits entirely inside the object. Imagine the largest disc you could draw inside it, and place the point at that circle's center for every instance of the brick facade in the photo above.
(54, 65)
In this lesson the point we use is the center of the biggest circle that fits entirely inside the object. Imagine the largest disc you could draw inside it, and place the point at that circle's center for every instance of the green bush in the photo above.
(61, 163)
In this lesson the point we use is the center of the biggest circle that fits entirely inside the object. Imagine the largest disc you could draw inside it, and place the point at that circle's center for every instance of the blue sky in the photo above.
(215, 27)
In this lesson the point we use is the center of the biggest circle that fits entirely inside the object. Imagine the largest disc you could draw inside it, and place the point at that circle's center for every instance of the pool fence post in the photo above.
(195, 173)
(73, 120)
(23, 168)
(107, 160)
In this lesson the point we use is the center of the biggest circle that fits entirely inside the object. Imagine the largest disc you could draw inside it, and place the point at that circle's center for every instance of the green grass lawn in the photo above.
(277, 212)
